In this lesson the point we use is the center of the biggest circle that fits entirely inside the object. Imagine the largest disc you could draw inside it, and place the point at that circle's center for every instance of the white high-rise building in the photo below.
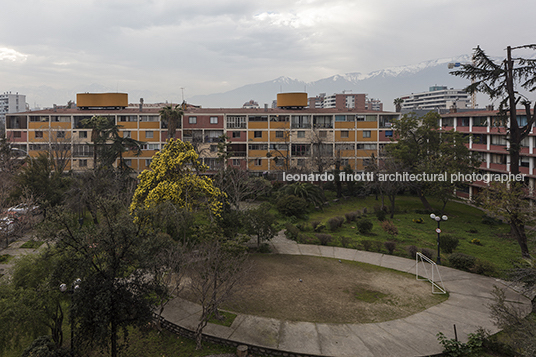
(11, 103)
(438, 97)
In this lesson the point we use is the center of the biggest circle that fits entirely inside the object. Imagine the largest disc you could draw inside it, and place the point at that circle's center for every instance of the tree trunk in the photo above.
(518, 230)
(424, 201)
(113, 338)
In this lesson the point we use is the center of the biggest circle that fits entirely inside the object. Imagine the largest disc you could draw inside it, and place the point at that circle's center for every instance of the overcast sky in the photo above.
(214, 46)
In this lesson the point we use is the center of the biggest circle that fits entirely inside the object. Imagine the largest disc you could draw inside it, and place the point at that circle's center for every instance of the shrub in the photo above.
(381, 215)
(305, 239)
(448, 243)
(291, 231)
(484, 267)
(377, 246)
(428, 253)
(473, 230)
(290, 205)
(389, 227)
(364, 226)
(335, 223)
(390, 246)
(350, 216)
(304, 227)
(367, 244)
(345, 241)
(412, 251)
(320, 227)
(462, 261)
(324, 238)
(314, 224)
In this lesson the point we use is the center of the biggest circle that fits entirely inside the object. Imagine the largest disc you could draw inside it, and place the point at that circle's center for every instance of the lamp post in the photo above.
(75, 286)
(438, 219)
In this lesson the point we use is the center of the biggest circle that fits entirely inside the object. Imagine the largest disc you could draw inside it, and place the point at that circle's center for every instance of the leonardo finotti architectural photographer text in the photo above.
(404, 177)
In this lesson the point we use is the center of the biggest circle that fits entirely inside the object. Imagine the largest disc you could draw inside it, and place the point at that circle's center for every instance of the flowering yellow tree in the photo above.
(174, 176)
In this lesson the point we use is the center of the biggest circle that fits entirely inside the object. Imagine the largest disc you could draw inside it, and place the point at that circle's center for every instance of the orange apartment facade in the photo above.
(260, 140)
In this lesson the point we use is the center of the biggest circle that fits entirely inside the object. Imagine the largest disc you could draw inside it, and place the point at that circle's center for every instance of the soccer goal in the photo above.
(431, 273)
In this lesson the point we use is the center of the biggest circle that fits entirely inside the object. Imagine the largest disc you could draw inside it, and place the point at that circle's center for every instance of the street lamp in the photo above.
(438, 219)
(75, 286)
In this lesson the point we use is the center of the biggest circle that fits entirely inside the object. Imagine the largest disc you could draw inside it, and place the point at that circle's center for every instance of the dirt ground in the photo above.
(301, 288)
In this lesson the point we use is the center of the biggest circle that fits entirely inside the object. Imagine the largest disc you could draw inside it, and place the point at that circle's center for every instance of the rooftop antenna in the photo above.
(182, 90)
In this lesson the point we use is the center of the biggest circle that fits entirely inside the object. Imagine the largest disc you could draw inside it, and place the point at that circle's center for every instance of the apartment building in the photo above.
(261, 140)
(438, 97)
(487, 136)
(345, 101)
(11, 103)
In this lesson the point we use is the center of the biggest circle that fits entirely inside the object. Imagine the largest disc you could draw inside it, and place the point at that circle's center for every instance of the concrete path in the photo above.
(467, 307)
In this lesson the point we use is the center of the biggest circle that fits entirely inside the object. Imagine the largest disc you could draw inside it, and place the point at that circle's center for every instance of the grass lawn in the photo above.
(464, 222)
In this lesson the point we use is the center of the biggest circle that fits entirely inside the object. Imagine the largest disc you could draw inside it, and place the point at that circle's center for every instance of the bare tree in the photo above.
(169, 269)
(216, 272)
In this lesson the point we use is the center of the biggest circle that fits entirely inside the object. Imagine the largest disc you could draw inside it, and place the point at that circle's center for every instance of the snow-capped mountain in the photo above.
(386, 85)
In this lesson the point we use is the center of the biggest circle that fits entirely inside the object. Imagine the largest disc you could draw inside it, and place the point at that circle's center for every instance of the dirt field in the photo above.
(329, 291)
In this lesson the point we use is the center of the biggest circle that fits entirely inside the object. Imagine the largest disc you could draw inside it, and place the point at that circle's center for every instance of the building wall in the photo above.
(257, 136)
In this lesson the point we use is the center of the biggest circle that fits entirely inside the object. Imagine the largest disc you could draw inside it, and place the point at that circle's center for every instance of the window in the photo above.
(366, 133)
(60, 134)
(258, 162)
(192, 120)
(39, 134)
(345, 133)
(524, 161)
(82, 134)
(498, 140)
(301, 121)
(213, 120)
(300, 162)
(82, 163)
(388, 133)
(258, 146)
(149, 134)
(480, 121)
(213, 148)
(127, 162)
(257, 134)
(480, 139)
(128, 118)
(366, 146)
(148, 118)
(322, 134)
(279, 134)
(236, 162)
(148, 162)
(300, 150)
(236, 134)
(498, 159)
(17, 134)
(151, 147)
(301, 134)
(235, 122)
(127, 134)
(344, 162)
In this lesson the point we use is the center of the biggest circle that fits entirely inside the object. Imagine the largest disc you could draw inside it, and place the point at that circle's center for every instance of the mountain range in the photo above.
(386, 85)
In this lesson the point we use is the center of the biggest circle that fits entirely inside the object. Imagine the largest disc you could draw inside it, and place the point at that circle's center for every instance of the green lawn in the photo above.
(464, 222)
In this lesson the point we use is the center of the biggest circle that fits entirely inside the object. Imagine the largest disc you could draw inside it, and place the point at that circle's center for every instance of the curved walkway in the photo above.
(415, 335)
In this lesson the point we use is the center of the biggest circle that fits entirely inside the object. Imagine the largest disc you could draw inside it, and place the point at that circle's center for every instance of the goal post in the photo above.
(431, 273)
